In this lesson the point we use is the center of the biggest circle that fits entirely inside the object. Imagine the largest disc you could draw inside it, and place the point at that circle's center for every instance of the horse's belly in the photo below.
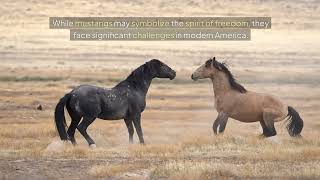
(110, 117)
(113, 114)
(247, 116)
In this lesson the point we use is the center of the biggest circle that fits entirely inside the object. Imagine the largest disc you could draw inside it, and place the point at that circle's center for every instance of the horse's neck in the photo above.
(142, 83)
(145, 84)
(221, 85)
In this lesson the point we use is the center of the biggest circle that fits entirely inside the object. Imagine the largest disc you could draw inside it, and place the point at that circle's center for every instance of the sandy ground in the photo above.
(39, 65)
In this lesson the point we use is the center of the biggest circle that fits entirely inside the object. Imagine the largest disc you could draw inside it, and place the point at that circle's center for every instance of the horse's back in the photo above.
(87, 90)
(108, 104)
(249, 106)
(258, 103)
(276, 106)
(272, 101)
(86, 100)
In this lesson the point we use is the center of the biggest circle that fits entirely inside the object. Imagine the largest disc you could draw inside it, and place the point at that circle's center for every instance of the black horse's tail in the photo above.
(295, 123)
(60, 120)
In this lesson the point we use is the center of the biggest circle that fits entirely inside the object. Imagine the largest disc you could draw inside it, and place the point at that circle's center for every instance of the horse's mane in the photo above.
(137, 74)
(223, 67)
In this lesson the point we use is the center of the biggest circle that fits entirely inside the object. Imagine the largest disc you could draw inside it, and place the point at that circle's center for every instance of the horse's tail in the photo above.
(295, 123)
(60, 120)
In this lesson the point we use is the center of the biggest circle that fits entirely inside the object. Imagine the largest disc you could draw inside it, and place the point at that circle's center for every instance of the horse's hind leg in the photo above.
(82, 127)
(269, 117)
(266, 132)
(75, 119)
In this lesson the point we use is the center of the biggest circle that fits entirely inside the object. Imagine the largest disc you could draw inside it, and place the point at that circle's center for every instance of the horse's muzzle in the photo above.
(194, 78)
(172, 76)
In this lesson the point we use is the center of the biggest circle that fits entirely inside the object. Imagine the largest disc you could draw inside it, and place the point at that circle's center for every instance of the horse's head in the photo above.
(160, 70)
(207, 70)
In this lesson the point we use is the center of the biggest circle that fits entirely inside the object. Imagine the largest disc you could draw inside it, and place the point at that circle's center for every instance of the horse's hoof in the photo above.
(92, 146)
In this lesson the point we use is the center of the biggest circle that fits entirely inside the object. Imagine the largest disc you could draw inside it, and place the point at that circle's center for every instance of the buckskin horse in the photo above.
(127, 100)
(234, 101)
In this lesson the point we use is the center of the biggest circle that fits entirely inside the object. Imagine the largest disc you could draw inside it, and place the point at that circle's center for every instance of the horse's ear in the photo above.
(217, 64)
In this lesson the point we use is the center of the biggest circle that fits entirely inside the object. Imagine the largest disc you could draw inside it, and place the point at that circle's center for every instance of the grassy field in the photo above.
(39, 65)
(177, 127)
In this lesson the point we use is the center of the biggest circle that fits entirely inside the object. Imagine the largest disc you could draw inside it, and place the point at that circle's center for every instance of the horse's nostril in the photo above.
(191, 76)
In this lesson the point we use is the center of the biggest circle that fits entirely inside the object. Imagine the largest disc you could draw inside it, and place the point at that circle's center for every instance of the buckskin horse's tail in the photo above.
(295, 123)
(60, 120)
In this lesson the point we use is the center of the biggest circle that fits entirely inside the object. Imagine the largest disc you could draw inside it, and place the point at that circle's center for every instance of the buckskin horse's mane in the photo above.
(223, 67)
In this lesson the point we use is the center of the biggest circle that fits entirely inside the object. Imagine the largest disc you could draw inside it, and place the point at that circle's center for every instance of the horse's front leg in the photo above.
(137, 125)
(220, 123)
(129, 125)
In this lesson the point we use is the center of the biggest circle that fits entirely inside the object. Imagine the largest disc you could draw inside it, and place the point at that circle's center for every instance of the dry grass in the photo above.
(159, 150)
(28, 78)
(247, 169)
(114, 170)
(28, 131)
(191, 172)
(205, 175)
(180, 143)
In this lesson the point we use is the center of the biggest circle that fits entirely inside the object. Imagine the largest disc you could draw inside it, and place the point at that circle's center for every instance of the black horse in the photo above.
(127, 101)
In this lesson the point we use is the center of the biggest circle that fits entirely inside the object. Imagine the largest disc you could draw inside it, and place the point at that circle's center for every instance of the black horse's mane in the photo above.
(223, 67)
(137, 74)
